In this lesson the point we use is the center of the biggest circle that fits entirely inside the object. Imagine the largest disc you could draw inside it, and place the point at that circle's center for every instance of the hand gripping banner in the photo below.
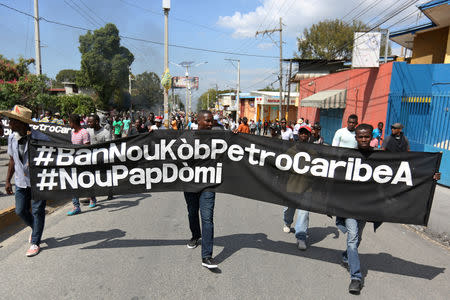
(372, 186)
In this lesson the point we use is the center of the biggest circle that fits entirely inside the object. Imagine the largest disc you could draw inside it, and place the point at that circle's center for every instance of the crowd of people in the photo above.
(94, 129)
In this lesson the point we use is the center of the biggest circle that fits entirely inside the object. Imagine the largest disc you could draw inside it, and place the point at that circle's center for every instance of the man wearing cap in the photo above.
(315, 137)
(296, 128)
(19, 120)
(57, 119)
(158, 124)
(397, 141)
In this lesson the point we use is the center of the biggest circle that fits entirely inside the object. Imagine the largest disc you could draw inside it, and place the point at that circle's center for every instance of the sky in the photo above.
(227, 26)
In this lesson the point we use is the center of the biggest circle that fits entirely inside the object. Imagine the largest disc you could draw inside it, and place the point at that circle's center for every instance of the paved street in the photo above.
(134, 247)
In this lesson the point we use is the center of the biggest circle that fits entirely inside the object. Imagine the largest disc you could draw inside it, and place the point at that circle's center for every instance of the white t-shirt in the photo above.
(194, 126)
(296, 128)
(345, 138)
(287, 134)
(154, 127)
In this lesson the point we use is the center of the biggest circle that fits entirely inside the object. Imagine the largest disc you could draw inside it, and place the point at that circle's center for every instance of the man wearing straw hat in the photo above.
(19, 120)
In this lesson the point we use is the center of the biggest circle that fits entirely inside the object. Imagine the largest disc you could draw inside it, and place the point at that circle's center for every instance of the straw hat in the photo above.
(20, 113)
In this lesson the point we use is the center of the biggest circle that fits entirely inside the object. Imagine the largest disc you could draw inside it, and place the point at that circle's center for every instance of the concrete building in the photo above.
(430, 42)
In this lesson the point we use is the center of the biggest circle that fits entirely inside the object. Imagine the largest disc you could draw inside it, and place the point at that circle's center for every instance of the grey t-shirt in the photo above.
(99, 136)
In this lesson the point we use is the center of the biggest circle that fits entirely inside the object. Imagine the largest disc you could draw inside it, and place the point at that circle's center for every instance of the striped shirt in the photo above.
(81, 137)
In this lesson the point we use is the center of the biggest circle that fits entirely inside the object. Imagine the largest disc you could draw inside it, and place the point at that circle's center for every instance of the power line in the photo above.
(143, 40)
(355, 8)
(174, 18)
(386, 18)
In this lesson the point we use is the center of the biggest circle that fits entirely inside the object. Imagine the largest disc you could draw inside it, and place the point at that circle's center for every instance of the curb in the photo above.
(8, 216)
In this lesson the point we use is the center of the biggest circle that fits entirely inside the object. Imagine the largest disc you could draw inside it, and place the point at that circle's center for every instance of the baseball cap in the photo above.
(397, 126)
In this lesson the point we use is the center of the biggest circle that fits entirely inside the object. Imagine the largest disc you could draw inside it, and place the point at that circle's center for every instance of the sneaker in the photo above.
(208, 262)
(301, 245)
(74, 211)
(355, 287)
(286, 228)
(92, 204)
(34, 250)
(193, 243)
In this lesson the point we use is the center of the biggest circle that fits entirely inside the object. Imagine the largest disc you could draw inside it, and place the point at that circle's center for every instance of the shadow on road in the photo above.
(82, 238)
(381, 262)
(117, 205)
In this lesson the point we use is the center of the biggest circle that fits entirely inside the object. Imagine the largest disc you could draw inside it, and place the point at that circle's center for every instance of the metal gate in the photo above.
(330, 121)
(426, 121)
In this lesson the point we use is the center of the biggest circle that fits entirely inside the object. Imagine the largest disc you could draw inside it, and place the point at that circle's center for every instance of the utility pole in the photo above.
(129, 92)
(386, 46)
(289, 88)
(37, 40)
(281, 59)
(166, 7)
(238, 102)
(188, 112)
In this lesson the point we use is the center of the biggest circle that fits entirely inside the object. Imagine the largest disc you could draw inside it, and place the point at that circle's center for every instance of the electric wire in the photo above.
(143, 40)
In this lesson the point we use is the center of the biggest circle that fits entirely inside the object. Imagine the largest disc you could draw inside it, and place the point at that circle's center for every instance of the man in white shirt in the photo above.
(158, 124)
(194, 125)
(345, 137)
(296, 128)
(286, 133)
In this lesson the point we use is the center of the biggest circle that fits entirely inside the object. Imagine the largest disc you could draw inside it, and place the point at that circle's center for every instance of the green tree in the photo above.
(18, 86)
(75, 104)
(147, 91)
(269, 89)
(104, 62)
(207, 100)
(67, 75)
(330, 39)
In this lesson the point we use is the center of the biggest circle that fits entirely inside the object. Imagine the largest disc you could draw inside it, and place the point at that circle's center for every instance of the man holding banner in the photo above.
(203, 201)
(18, 142)
(353, 227)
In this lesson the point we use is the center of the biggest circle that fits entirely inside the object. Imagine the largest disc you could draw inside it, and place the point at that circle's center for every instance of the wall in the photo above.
(427, 123)
(367, 93)
(248, 108)
(430, 47)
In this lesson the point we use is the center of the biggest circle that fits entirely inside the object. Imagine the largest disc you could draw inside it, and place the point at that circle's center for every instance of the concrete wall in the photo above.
(367, 93)
(430, 47)
(248, 108)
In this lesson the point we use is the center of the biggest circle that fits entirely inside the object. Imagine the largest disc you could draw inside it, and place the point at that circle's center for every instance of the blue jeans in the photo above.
(204, 202)
(354, 229)
(76, 202)
(301, 225)
(36, 218)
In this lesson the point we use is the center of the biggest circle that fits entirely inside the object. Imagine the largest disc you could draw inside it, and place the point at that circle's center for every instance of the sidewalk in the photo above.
(439, 222)
(6, 201)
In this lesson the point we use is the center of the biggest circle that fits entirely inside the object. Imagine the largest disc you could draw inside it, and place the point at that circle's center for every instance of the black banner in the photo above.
(371, 186)
(45, 131)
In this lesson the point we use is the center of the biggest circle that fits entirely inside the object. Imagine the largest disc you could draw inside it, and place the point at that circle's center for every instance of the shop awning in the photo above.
(326, 99)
